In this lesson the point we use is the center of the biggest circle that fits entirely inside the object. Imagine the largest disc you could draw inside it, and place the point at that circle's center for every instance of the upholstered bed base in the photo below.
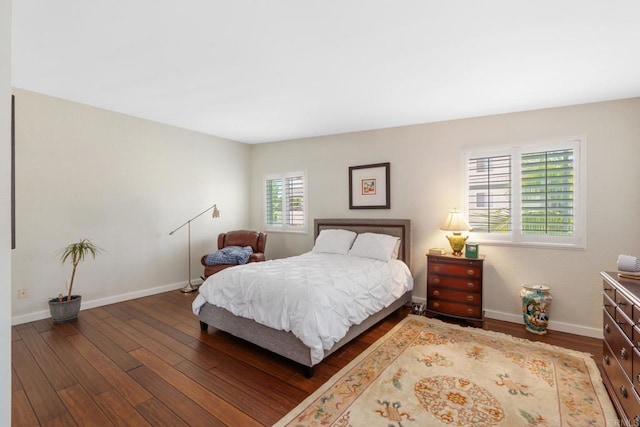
(286, 343)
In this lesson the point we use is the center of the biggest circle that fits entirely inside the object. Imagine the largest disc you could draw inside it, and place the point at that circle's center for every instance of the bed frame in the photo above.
(286, 343)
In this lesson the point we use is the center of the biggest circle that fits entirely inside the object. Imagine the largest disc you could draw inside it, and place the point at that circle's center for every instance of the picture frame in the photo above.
(370, 186)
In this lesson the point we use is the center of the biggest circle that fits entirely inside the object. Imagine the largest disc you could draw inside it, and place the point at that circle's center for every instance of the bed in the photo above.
(285, 342)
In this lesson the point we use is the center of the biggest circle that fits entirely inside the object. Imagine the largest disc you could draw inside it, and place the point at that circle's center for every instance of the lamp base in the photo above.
(457, 241)
(190, 287)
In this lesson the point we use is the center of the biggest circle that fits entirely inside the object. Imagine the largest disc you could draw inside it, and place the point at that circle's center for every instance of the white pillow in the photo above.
(377, 246)
(334, 241)
(396, 250)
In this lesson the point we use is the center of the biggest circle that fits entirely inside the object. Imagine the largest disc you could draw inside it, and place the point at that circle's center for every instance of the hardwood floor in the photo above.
(145, 362)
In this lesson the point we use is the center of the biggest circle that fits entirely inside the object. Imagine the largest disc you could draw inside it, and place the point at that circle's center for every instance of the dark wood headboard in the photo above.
(395, 227)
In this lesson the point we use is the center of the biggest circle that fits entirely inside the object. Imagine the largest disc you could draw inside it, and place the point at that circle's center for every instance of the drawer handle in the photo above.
(436, 280)
(436, 268)
(620, 302)
(607, 329)
(436, 293)
(623, 353)
(638, 378)
(436, 304)
(623, 391)
(607, 362)
(470, 310)
(469, 297)
(636, 421)
(470, 286)
(471, 272)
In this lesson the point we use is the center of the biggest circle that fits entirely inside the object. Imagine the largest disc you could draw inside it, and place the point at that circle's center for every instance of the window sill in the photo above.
(533, 245)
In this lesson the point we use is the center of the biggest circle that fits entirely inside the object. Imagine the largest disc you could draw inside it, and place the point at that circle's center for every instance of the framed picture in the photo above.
(369, 186)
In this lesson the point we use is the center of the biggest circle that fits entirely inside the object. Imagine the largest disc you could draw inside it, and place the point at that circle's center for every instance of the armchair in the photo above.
(257, 240)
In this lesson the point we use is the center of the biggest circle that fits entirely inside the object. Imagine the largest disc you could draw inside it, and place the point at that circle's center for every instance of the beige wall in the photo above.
(125, 183)
(5, 232)
(426, 173)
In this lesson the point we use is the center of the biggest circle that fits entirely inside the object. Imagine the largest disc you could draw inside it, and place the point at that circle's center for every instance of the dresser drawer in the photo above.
(622, 388)
(636, 315)
(470, 298)
(454, 309)
(624, 304)
(636, 336)
(609, 290)
(620, 345)
(624, 323)
(609, 305)
(471, 284)
(635, 379)
(470, 269)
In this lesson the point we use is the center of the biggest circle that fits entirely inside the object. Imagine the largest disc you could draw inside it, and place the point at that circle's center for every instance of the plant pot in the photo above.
(65, 311)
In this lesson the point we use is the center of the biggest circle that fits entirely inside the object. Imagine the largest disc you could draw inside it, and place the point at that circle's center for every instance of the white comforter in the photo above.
(316, 296)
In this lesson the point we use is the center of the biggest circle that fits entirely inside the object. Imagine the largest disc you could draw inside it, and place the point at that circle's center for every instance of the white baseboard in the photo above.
(507, 317)
(553, 325)
(44, 314)
(418, 300)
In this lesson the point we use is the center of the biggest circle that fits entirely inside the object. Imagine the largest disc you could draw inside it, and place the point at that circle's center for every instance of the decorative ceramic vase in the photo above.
(536, 302)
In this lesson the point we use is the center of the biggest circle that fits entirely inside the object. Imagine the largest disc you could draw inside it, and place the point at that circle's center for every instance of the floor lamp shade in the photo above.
(190, 287)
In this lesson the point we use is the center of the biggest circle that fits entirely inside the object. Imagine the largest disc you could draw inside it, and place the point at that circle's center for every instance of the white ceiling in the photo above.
(266, 70)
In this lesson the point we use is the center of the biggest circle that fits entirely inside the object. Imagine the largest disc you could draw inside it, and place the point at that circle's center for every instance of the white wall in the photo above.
(426, 183)
(125, 183)
(5, 215)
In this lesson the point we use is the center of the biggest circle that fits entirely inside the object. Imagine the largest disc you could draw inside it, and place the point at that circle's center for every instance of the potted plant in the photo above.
(66, 308)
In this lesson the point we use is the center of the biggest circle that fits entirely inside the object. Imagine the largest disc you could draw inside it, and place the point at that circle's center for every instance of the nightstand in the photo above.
(454, 287)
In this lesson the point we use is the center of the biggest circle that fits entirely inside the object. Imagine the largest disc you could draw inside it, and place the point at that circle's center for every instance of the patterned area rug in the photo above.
(425, 372)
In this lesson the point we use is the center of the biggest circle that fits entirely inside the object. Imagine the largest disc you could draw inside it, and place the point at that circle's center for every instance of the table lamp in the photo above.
(456, 223)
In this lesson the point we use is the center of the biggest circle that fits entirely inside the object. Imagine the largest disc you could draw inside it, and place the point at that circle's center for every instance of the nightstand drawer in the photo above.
(454, 309)
(454, 286)
(470, 298)
(467, 270)
(471, 284)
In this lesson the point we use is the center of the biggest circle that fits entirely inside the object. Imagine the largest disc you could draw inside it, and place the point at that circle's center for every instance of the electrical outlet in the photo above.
(22, 293)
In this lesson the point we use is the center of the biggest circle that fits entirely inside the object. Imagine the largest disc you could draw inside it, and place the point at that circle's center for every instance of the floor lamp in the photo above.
(190, 287)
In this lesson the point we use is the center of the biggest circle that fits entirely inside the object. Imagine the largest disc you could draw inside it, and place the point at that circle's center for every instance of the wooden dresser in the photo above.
(454, 287)
(621, 347)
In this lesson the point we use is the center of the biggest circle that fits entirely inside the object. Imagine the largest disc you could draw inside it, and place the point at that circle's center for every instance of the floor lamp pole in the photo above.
(190, 287)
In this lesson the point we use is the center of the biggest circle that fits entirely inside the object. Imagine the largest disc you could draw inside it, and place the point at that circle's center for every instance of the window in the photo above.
(285, 202)
(529, 195)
